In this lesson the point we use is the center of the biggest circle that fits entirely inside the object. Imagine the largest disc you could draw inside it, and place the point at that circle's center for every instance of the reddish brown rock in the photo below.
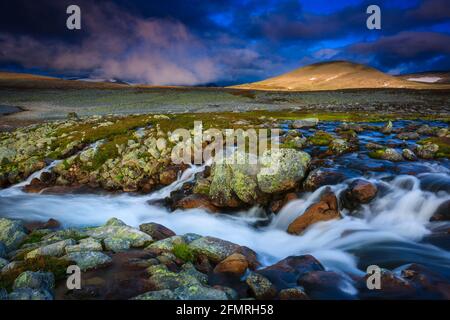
(35, 186)
(36, 225)
(363, 191)
(442, 213)
(296, 293)
(156, 231)
(235, 264)
(168, 176)
(196, 201)
(324, 210)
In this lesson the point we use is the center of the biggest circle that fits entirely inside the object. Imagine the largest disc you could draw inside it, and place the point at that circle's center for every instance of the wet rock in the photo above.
(235, 264)
(88, 259)
(3, 263)
(297, 293)
(425, 129)
(116, 244)
(326, 285)
(38, 225)
(339, 146)
(56, 249)
(408, 136)
(162, 278)
(442, 213)
(88, 244)
(427, 150)
(282, 170)
(202, 186)
(199, 292)
(387, 128)
(215, 249)
(305, 123)
(322, 176)
(359, 192)
(320, 138)
(166, 244)
(35, 186)
(435, 182)
(277, 205)
(12, 233)
(35, 280)
(430, 285)
(409, 155)
(157, 295)
(392, 286)
(374, 146)
(156, 231)
(324, 210)
(169, 175)
(221, 189)
(386, 154)
(3, 294)
(196, 201)
(260, 286)
(2, 250)
(285, 273)
(30, 294)
(136, 237)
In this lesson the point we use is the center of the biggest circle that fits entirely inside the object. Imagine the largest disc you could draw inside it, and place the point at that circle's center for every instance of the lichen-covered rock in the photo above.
(87, 244)
(88, 259)
(159, 295)
(296, 293)
(56, 249)
(156, 231)
(12, 233)
(116, 244)
(199, 292)
(408, 136)
(409, 155)
(305, 123)
(260, 286)
(427, 150)
(215, 249)
(282, 169)
(2, 250)
(386, 154)
(35, 280)
(136, 237)
(339, 146)
(387, 128)
(162, 278)
(3, 263)
(167, 244)
(30, 294)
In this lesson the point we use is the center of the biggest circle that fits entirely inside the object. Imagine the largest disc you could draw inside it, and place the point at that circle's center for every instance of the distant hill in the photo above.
(335, 75)
(428, 77)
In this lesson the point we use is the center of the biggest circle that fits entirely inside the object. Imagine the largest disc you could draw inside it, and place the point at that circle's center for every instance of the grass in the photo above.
(183, 251)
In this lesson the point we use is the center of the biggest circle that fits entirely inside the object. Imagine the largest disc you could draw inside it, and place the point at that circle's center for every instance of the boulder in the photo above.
(235, 264)
(392, 286)
(12, 233)
(296, 293)
(30, 294)
(408, 136)
(409, 155)
(56, 249)
(35, 280)
(387, 128)
(427, 150)
(199, 292)
(51, 224)
(117, 244)
(164, 294)
(326, 285)
(2, 250)
(3, 263)
(339, 146)
(322, 176)
(88, 259)
(442, 213)
(305, 123)
(324, 210)
(88, 244)
(260, 286)
(359, 192)
(196, 201)
(386, 154)
(156, 231)
(281, 170)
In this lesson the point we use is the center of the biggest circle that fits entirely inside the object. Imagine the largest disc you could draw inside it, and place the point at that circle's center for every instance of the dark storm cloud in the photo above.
(199, 41)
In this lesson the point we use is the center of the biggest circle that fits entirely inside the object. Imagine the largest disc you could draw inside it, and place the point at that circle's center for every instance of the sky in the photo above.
(198, 42)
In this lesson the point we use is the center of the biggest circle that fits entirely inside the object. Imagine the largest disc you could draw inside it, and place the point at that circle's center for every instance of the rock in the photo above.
(339, 146)
(136, 237)
(285, 273)
(196, 201)
(161, 144)
(116, 244)
(386, 154)
(202, 186)
(156, 231)
(327, 285)
(168, 176)
(199, 292)
(215, 249)
(166, 244)
(297, 293)
(72, 116)
(161, 278)
(12, 233)
(157, 295)
(442, 213)
(3, 294)
(409, 155)
(374, 146)
(2, 250)
(277, 205)
(360, 192)
(408, 136)
(387, 128)
(115, 223)
(322, 176)
(88, 259)
(305, 123)
(221, 189)
(425, 129)
(35, 280)
(324, 210)
(260, 286)
(282, 170)
(392, 286)
(442, 132)
(430, 284)
(88, 244)
(320, 138)
(30, 294)
(235, 264)
(56, 249)
(427, 150)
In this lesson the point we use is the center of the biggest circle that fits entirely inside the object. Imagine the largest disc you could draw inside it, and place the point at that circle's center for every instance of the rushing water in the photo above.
(391, 231)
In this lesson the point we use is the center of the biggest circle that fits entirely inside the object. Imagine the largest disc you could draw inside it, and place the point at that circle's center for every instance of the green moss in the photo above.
(183, 251)
(34, 237)
(321, 138)
(442, 142)
(377, 154)
(48, 264)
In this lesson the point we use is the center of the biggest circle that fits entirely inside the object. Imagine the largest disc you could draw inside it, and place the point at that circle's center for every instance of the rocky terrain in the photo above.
(334, 176)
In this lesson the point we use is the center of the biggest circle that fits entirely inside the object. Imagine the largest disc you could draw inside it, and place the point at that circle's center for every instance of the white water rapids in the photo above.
(395, 222)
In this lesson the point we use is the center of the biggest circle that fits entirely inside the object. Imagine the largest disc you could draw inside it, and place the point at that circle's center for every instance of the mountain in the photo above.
(334, 75)
(428, 77)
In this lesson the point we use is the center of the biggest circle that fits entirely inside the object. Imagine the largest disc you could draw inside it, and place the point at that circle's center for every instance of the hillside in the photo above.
(334, 76)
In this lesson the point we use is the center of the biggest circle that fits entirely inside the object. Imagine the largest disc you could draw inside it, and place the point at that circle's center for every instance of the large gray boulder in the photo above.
(12, 233)
(88, 259)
